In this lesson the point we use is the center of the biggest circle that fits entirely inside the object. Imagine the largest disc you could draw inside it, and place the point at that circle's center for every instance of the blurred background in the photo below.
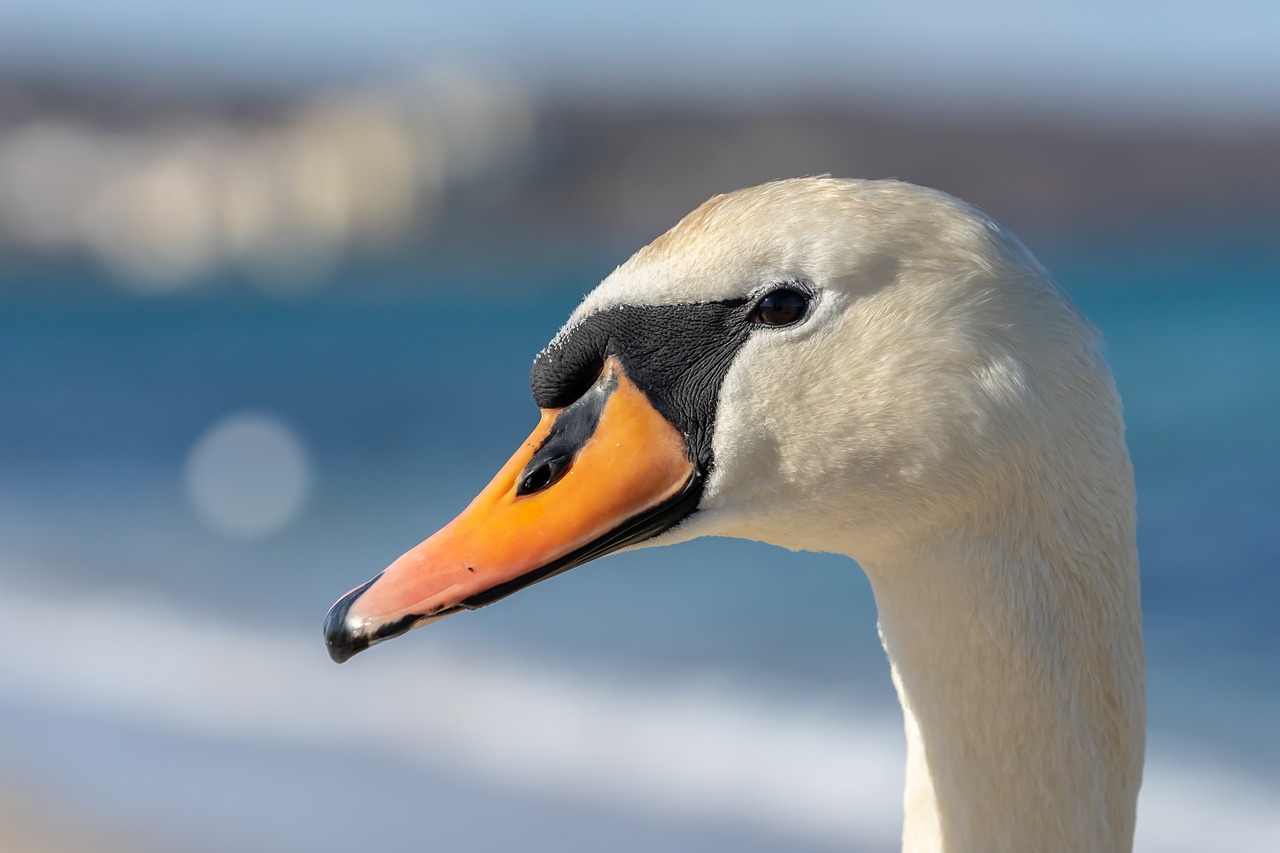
(271, 279)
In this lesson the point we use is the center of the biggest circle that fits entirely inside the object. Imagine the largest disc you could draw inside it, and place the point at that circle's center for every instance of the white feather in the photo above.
(944, 417)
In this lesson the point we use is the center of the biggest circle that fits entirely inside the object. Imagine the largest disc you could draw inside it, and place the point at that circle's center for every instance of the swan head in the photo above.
(821, 364)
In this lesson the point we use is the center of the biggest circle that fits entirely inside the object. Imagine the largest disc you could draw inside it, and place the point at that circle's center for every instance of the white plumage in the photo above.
(945, 418)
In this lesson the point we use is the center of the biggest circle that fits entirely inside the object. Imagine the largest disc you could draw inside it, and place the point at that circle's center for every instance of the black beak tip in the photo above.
(339, 639)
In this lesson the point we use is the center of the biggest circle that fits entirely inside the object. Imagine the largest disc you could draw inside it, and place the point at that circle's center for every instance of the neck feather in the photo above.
(1016, 650)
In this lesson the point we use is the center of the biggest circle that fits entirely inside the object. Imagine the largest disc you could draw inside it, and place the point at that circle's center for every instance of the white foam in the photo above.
(734, 755)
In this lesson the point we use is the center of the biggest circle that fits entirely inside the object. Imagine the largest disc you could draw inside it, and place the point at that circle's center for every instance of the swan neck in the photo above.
(1020, 672)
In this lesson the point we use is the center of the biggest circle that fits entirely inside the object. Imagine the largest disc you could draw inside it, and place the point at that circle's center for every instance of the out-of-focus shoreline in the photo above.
(162, 187)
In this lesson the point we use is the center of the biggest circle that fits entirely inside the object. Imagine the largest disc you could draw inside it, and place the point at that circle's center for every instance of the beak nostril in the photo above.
(537, 480)
(544, 475)
(571, 431)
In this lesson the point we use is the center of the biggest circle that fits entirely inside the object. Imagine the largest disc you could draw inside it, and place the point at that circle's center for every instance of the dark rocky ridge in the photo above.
(635, 171)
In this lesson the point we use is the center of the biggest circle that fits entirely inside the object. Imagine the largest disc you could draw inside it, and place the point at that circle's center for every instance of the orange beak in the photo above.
(595, 476)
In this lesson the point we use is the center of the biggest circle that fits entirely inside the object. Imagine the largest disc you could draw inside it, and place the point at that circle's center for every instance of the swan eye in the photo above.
(780, 307)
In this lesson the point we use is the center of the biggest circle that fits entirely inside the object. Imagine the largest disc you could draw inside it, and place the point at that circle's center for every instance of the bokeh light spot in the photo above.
(248, 475)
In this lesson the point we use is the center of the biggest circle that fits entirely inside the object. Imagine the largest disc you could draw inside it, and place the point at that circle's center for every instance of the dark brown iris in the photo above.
(780, 307)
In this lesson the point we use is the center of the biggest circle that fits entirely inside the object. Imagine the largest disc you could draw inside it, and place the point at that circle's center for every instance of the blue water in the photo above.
(406, 382)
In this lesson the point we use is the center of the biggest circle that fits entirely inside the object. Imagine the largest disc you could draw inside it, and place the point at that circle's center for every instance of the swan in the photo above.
(879, 370)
